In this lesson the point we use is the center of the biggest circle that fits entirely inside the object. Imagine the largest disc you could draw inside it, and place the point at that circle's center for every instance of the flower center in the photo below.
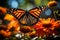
(47, 25)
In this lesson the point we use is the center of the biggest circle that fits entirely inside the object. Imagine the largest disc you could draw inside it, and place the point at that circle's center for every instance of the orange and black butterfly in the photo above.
(26, 17)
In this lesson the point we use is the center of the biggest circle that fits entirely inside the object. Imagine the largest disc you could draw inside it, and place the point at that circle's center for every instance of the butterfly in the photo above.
(26, 17)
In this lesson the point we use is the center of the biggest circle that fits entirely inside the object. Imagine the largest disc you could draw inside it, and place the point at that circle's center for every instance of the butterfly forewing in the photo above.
(18, 13)
(35, 12)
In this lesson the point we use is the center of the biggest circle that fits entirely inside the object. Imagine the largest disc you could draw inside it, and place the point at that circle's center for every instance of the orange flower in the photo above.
(32, 34)
(9, 17)
(13, 23)
(25, 29)
(46, 26)
(5, 33)
(12, 27)
(3, 10)
(52, 4)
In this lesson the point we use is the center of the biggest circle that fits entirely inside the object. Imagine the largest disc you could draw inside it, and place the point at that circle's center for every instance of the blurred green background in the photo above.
(24, 4)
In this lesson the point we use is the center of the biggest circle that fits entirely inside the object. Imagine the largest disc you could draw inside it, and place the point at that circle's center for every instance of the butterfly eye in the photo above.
(35, 12)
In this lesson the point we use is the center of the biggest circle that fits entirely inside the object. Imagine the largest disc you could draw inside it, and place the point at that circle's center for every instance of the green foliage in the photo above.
(41, 2)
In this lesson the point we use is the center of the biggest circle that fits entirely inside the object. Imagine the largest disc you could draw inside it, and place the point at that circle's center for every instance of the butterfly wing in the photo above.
(32, 20)
(23, 20)
(28, 18)
(35, 12)
(18, 13)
